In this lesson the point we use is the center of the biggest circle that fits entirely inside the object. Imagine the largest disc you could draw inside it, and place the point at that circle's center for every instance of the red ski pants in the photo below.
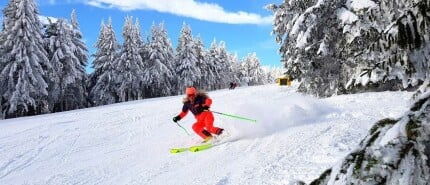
(204, 126)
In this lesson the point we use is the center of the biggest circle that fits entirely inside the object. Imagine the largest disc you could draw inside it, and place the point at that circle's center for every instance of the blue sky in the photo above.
(244, 25)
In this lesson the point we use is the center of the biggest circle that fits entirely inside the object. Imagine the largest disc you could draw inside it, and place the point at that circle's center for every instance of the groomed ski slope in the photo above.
(296, 137)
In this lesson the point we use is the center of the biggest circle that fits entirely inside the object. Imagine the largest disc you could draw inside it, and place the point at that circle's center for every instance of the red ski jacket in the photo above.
(199, 101)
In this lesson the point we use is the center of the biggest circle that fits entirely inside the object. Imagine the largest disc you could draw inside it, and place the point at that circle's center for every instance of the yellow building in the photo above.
(284, 80)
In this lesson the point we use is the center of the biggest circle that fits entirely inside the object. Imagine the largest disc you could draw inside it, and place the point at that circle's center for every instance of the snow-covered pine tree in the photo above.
(188, 74)
(207, 75)
(103, 91)
(347, 46)
(24, 62)
(212, 62)
(396, 151)
(222, 66)
(309, 35)
(79, 94)
(129, 66)
(397, 50)
(234, 68)
(142, 46)
(99, 62)
(251, 71)
(80, 48)
(170, 55)
(2, 64)
(143, 52)
(138, 38)
(285, 17)
(66, 67)
(243, 73)
(159, 72)
(68, 56)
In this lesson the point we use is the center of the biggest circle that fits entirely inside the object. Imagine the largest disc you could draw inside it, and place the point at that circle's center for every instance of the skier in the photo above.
(199, 103)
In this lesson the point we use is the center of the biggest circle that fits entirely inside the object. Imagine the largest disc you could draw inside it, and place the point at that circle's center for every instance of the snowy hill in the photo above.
(296, 137)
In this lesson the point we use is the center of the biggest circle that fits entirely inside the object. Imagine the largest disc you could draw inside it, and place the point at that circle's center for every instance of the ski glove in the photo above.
(176, 118)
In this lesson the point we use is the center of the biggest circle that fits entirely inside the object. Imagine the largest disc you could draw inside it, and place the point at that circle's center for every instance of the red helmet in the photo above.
(190, 90)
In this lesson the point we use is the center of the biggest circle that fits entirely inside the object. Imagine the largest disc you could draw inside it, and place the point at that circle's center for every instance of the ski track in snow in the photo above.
(296, 137)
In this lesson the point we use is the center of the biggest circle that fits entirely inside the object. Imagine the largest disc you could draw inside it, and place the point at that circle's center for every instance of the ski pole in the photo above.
(185, 130)
(234, 116)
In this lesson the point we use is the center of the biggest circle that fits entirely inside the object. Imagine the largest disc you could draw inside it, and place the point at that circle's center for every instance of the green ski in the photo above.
(178, 150)
(194, 148)
(200, 147)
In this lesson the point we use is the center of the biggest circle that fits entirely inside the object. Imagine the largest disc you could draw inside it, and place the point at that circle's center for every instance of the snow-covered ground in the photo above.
(296, 137)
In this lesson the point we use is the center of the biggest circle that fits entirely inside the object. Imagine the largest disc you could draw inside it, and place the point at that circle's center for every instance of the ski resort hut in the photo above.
(284, 80)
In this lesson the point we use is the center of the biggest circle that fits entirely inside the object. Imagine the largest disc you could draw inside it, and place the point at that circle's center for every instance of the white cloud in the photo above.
(96, 4)
(187, 8)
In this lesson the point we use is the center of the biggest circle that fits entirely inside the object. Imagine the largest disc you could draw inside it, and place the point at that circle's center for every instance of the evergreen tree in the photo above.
(138, 35)
(252, 73)
(207, 73)
(212, 62)
(68, 55)
(143, 49)
(201, 54)
(104, 90)
(159, 73)
(340, 46)
(2, 65)
(167, 43)
(99, 60)
(308, 32)
(222, 66)
(129, 67)
(66, 88)
(169, 61)
(80, 49)
(79, 94)
(24, 62)
(285, 17)
(397, 48)
(234, 68)
(187, 71)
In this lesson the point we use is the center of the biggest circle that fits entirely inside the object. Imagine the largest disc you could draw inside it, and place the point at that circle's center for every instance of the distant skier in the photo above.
(231, 85)
(199, 103)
